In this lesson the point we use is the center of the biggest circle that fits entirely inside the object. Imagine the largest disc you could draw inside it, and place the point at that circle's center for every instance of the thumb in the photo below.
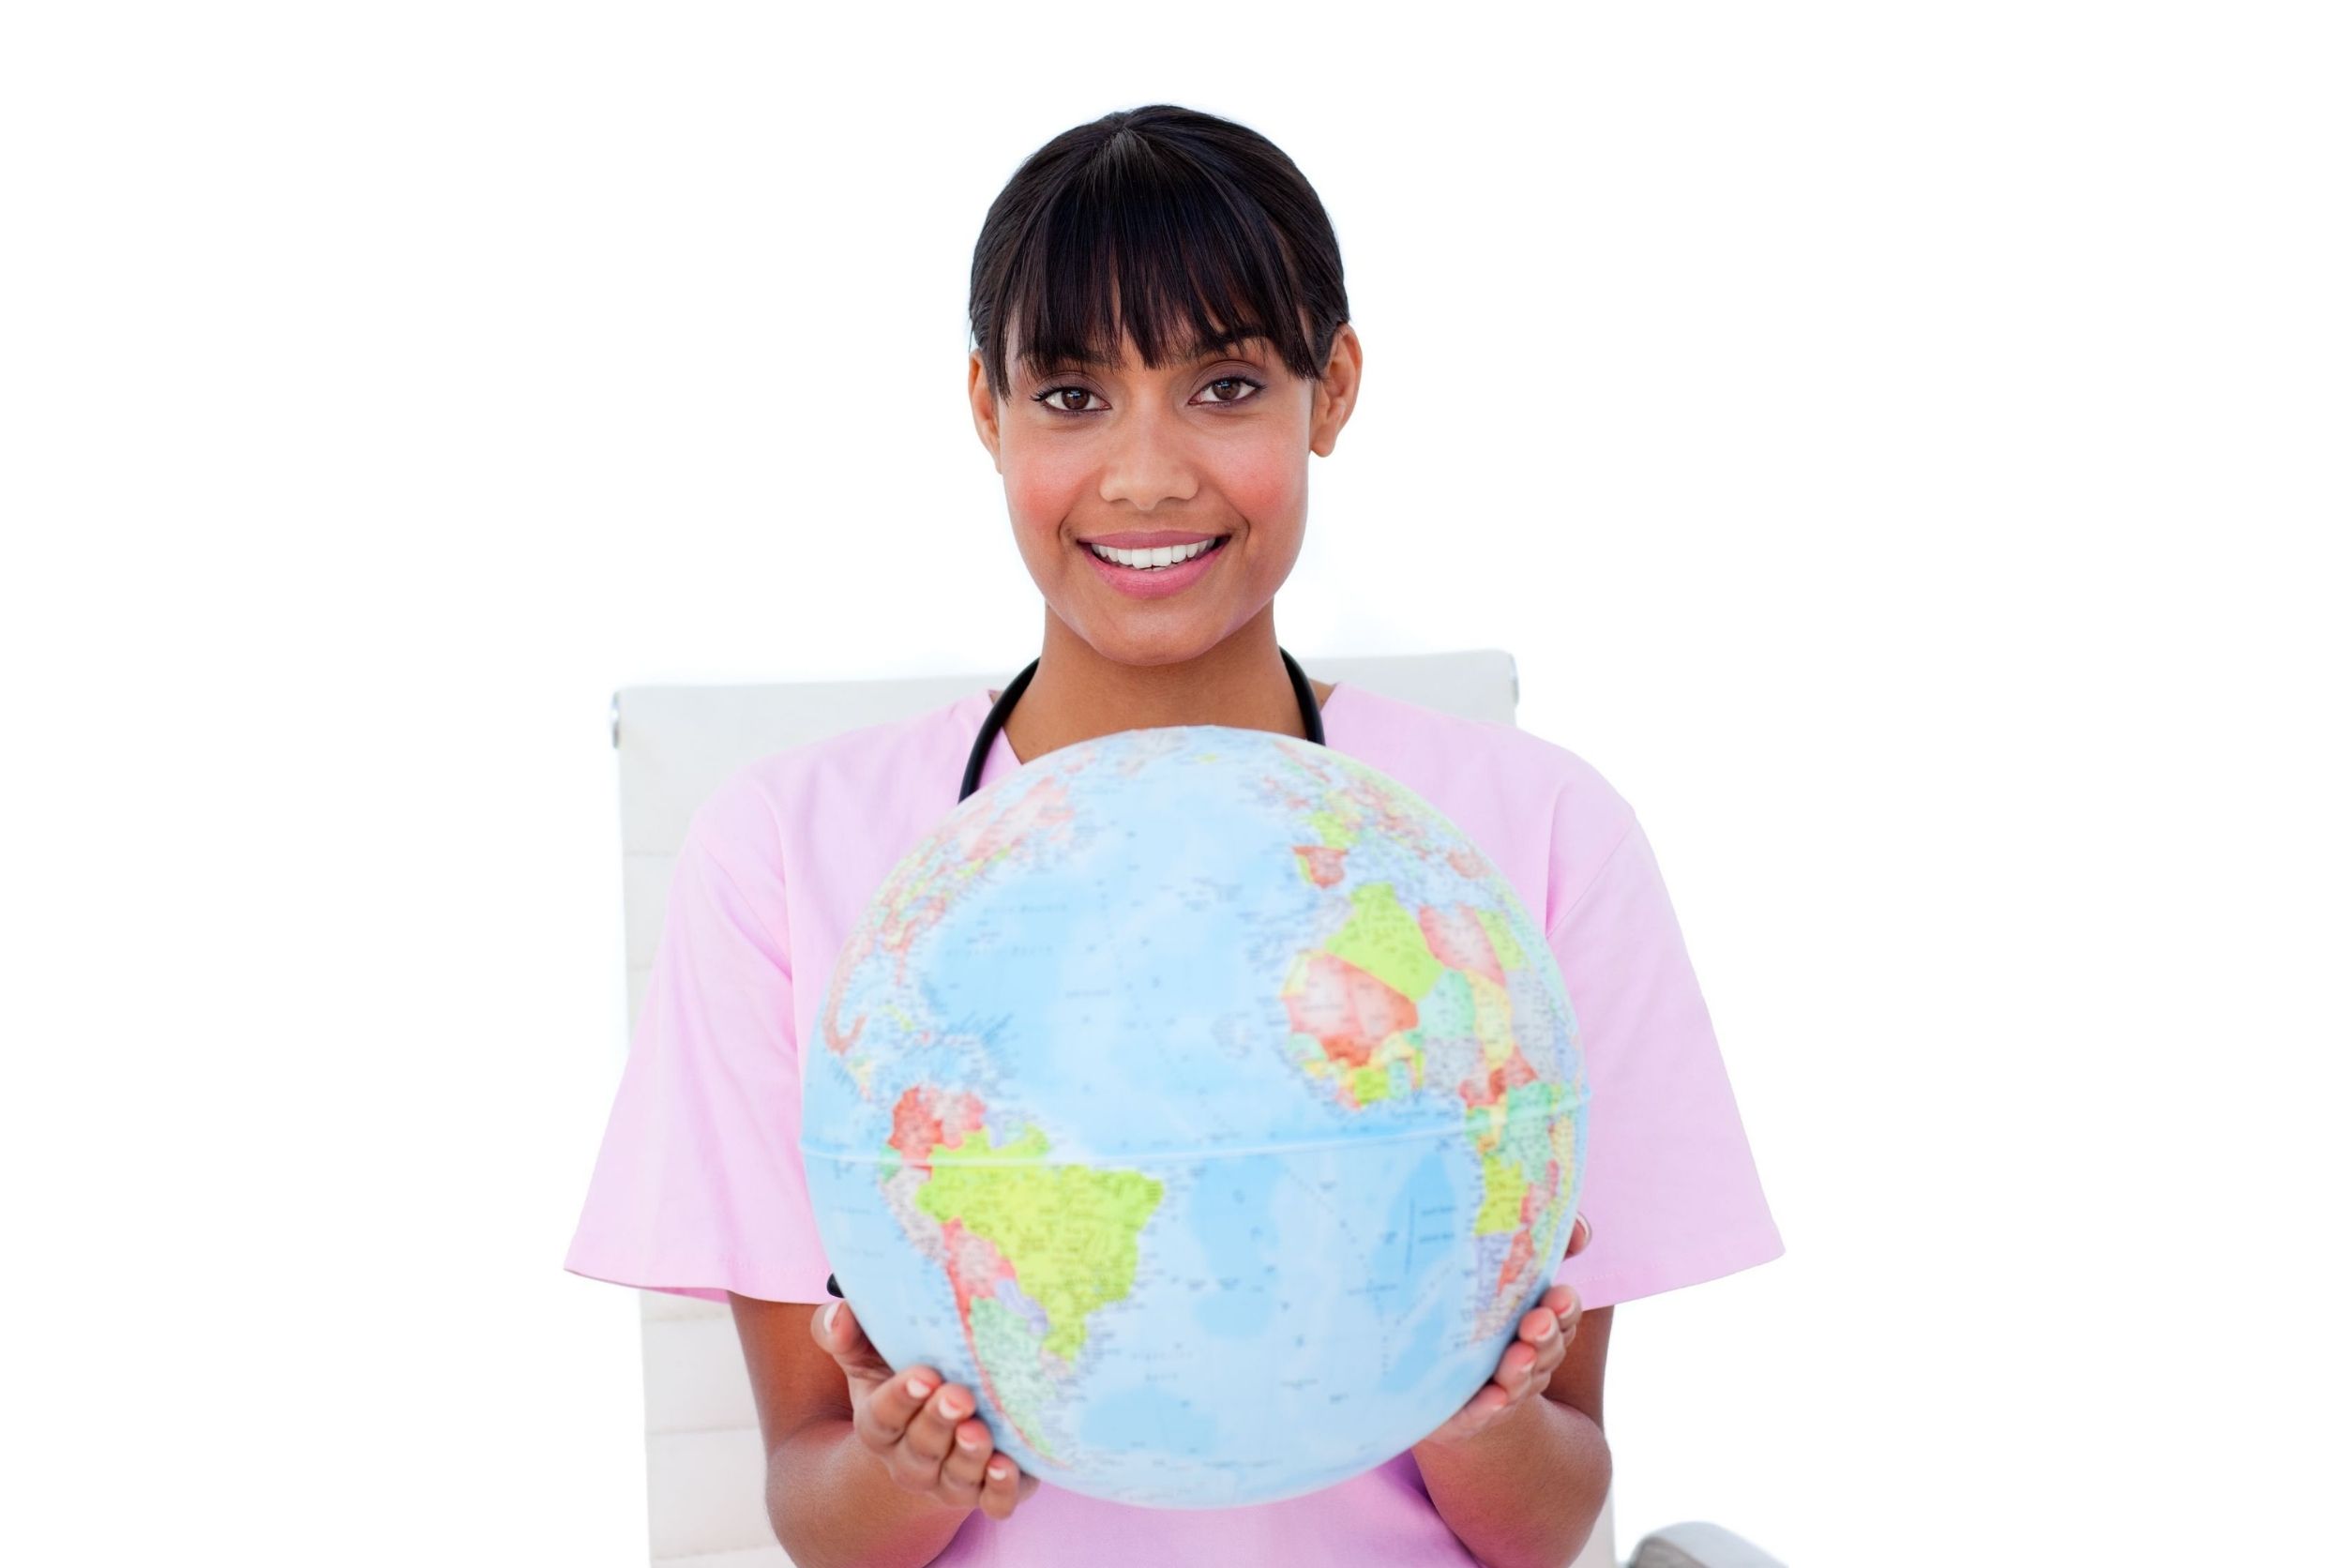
(840, 1332)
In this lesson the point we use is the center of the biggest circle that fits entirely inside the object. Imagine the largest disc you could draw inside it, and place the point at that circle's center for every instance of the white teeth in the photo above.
(1148, 558)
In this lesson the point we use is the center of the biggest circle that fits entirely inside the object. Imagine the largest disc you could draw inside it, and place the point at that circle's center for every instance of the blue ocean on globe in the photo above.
(1205, 1101)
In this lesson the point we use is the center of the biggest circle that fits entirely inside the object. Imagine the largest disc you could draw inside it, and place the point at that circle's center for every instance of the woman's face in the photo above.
(1211, 446)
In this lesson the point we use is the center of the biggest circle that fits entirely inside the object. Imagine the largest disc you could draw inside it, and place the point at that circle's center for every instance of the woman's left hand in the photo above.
(1528, 1362)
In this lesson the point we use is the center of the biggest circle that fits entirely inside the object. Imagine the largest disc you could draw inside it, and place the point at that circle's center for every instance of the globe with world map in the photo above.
(1203, 1100)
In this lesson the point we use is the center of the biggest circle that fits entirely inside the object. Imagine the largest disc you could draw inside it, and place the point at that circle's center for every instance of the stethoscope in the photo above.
(1309, 715)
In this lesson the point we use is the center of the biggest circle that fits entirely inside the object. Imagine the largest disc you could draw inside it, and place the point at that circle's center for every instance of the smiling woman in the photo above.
(1160, 341)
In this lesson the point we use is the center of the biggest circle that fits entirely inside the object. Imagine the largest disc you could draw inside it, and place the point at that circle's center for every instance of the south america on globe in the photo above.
(1207, 1103)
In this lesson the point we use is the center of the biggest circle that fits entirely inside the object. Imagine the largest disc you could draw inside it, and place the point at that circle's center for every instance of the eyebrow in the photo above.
(1199, 348)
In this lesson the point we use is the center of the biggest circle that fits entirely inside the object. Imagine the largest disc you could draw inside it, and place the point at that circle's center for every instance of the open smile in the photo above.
(1152, 574)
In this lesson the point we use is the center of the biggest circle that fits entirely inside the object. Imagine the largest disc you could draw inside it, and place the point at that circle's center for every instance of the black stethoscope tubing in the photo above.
(1310, 714)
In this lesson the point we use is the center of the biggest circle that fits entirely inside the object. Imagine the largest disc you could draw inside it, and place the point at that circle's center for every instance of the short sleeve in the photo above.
(696, 1189)
(1670, 1188)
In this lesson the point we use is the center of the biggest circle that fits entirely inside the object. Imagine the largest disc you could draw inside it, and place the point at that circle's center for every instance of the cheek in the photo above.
(1266, 484)
(1042, 487)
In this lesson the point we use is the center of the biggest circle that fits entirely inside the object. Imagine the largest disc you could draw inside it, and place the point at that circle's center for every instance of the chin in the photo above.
(1146, 646)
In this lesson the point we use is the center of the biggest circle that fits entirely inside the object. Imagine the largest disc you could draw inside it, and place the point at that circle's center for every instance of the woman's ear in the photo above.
(1335, 392)
(984, 409)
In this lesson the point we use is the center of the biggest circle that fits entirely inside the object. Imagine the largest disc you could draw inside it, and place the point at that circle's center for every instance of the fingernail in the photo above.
(966, 1440)
(953, 1408)
(831, 1313)
(998, 1469)
(918, 1387)
(1551, 1326)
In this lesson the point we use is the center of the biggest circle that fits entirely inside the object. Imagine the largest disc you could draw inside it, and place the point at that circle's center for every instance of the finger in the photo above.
(838, 1330)
(1473, 1417)
(892, 1407)
(1484, 1406)
(1539, 1326)
(932, 1435)
(917, 1460)
(1554, 1316)
(968, 1462)
(1001, 1489)
(1569, 1312)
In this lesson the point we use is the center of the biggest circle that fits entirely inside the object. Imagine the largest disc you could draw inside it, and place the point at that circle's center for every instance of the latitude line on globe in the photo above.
(859, 1156)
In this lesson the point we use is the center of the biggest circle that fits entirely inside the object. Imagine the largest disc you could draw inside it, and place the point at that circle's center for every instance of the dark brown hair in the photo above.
(1203, 230)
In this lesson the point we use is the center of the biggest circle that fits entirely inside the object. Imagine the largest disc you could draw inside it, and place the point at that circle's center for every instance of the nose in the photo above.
(1146, 460)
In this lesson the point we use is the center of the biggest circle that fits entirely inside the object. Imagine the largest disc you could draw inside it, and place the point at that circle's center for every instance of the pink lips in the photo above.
(1152, 583)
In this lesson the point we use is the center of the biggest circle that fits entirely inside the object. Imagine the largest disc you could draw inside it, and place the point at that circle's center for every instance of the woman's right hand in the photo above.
(924, 1430)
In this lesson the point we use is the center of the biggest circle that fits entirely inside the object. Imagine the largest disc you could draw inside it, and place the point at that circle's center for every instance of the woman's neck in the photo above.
(1077, 694)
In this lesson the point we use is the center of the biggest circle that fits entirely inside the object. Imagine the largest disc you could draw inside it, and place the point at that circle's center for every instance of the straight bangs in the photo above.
(1134, 239)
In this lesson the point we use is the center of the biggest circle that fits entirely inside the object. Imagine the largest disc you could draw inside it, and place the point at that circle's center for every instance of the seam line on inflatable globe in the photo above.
(860, 1156)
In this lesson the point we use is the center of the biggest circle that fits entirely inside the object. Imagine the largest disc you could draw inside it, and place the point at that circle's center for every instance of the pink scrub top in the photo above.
(698, 1189)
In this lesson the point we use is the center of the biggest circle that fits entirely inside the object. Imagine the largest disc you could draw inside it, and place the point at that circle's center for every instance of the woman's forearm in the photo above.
(1526, 1492)
(833, 1504)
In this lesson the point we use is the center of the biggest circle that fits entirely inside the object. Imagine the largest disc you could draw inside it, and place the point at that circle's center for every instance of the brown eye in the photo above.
(1056, 398)
(1235, 382)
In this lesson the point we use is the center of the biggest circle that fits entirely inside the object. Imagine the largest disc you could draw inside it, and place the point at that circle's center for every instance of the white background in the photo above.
(1904, 445)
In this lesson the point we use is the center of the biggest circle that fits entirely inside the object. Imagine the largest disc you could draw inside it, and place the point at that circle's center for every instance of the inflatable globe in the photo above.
(1208, 1103)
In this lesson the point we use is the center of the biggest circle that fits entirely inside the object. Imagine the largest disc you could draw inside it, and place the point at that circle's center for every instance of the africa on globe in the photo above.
(1207, 1103)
